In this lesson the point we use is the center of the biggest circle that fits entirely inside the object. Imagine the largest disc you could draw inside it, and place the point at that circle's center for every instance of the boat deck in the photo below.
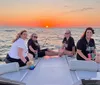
(53, 71)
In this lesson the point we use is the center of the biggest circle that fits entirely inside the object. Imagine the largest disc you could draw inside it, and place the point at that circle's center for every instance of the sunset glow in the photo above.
(46, 26)
(50, 13)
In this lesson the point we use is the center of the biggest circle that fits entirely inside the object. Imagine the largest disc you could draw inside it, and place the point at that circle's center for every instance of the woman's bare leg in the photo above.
(54, 53)
(51, 53)
(69, 53)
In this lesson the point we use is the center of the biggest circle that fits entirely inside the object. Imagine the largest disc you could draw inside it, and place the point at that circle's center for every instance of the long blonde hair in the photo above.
(19, 35)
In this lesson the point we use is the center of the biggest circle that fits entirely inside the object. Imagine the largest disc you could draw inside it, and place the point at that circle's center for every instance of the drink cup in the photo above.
(89, 56)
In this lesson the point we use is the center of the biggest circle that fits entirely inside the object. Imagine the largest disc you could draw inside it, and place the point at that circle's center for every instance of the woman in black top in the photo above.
(34, 47)
(68, 46)
(86, 46)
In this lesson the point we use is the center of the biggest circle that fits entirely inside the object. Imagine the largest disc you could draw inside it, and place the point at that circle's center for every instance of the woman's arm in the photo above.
(30, 47)
(82, 55)
(63, 43)
(30, 56)
(94, 52)
(20, 54)
(63, 46)
(73, 50)
(73, 46)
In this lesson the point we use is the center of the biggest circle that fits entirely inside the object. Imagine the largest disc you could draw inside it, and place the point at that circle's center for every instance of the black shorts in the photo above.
(41, 53)
(20, 62)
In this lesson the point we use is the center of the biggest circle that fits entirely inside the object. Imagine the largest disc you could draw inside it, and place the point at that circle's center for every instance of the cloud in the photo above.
(97, 1)
(65, 6)
(80, 10)
(85, 9)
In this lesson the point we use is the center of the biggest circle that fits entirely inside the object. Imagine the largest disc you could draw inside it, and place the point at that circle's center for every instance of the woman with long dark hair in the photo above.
(18, 52)
(86, 46)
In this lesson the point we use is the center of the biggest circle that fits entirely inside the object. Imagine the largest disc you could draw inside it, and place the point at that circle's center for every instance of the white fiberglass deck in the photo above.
(54, 71)
(20, 75)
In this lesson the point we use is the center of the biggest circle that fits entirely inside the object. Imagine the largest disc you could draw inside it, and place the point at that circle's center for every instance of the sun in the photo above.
(46, 26)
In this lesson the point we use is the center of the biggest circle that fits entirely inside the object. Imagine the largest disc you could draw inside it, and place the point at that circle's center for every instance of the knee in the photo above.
(97, 58)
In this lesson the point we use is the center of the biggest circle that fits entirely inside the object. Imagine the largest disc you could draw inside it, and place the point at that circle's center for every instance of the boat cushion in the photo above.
(10, 67)
(83, 65)
(4, 81)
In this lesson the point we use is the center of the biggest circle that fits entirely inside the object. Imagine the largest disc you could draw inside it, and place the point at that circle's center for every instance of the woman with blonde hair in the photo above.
(68, 44)
(19, 52)
(34, 48)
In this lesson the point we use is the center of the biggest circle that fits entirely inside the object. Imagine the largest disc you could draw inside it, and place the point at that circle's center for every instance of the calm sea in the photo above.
(48, 38)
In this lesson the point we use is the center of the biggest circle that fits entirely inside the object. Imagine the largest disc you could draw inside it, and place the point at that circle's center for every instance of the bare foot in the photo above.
(46, 57)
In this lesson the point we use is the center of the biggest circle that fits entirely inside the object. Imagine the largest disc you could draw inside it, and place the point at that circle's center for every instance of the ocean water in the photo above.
(48, 38)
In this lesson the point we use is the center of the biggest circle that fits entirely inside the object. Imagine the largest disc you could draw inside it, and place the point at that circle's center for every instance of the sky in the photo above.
(50, 13)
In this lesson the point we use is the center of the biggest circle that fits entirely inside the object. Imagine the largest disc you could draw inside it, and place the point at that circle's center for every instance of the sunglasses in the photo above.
(35, 36)
(67, 33)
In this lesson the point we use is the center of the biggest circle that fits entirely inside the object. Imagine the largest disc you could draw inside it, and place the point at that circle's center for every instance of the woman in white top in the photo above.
(18, 52)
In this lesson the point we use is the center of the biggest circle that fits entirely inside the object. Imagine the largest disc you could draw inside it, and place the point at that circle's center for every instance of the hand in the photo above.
(88, 59)
(70, 53)
(29, 63)
(35, 51)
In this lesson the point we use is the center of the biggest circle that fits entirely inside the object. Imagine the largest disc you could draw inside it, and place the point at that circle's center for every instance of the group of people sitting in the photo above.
(23, 54)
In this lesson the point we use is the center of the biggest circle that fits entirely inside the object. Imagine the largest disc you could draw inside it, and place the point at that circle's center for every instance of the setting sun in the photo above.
(47, 26)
